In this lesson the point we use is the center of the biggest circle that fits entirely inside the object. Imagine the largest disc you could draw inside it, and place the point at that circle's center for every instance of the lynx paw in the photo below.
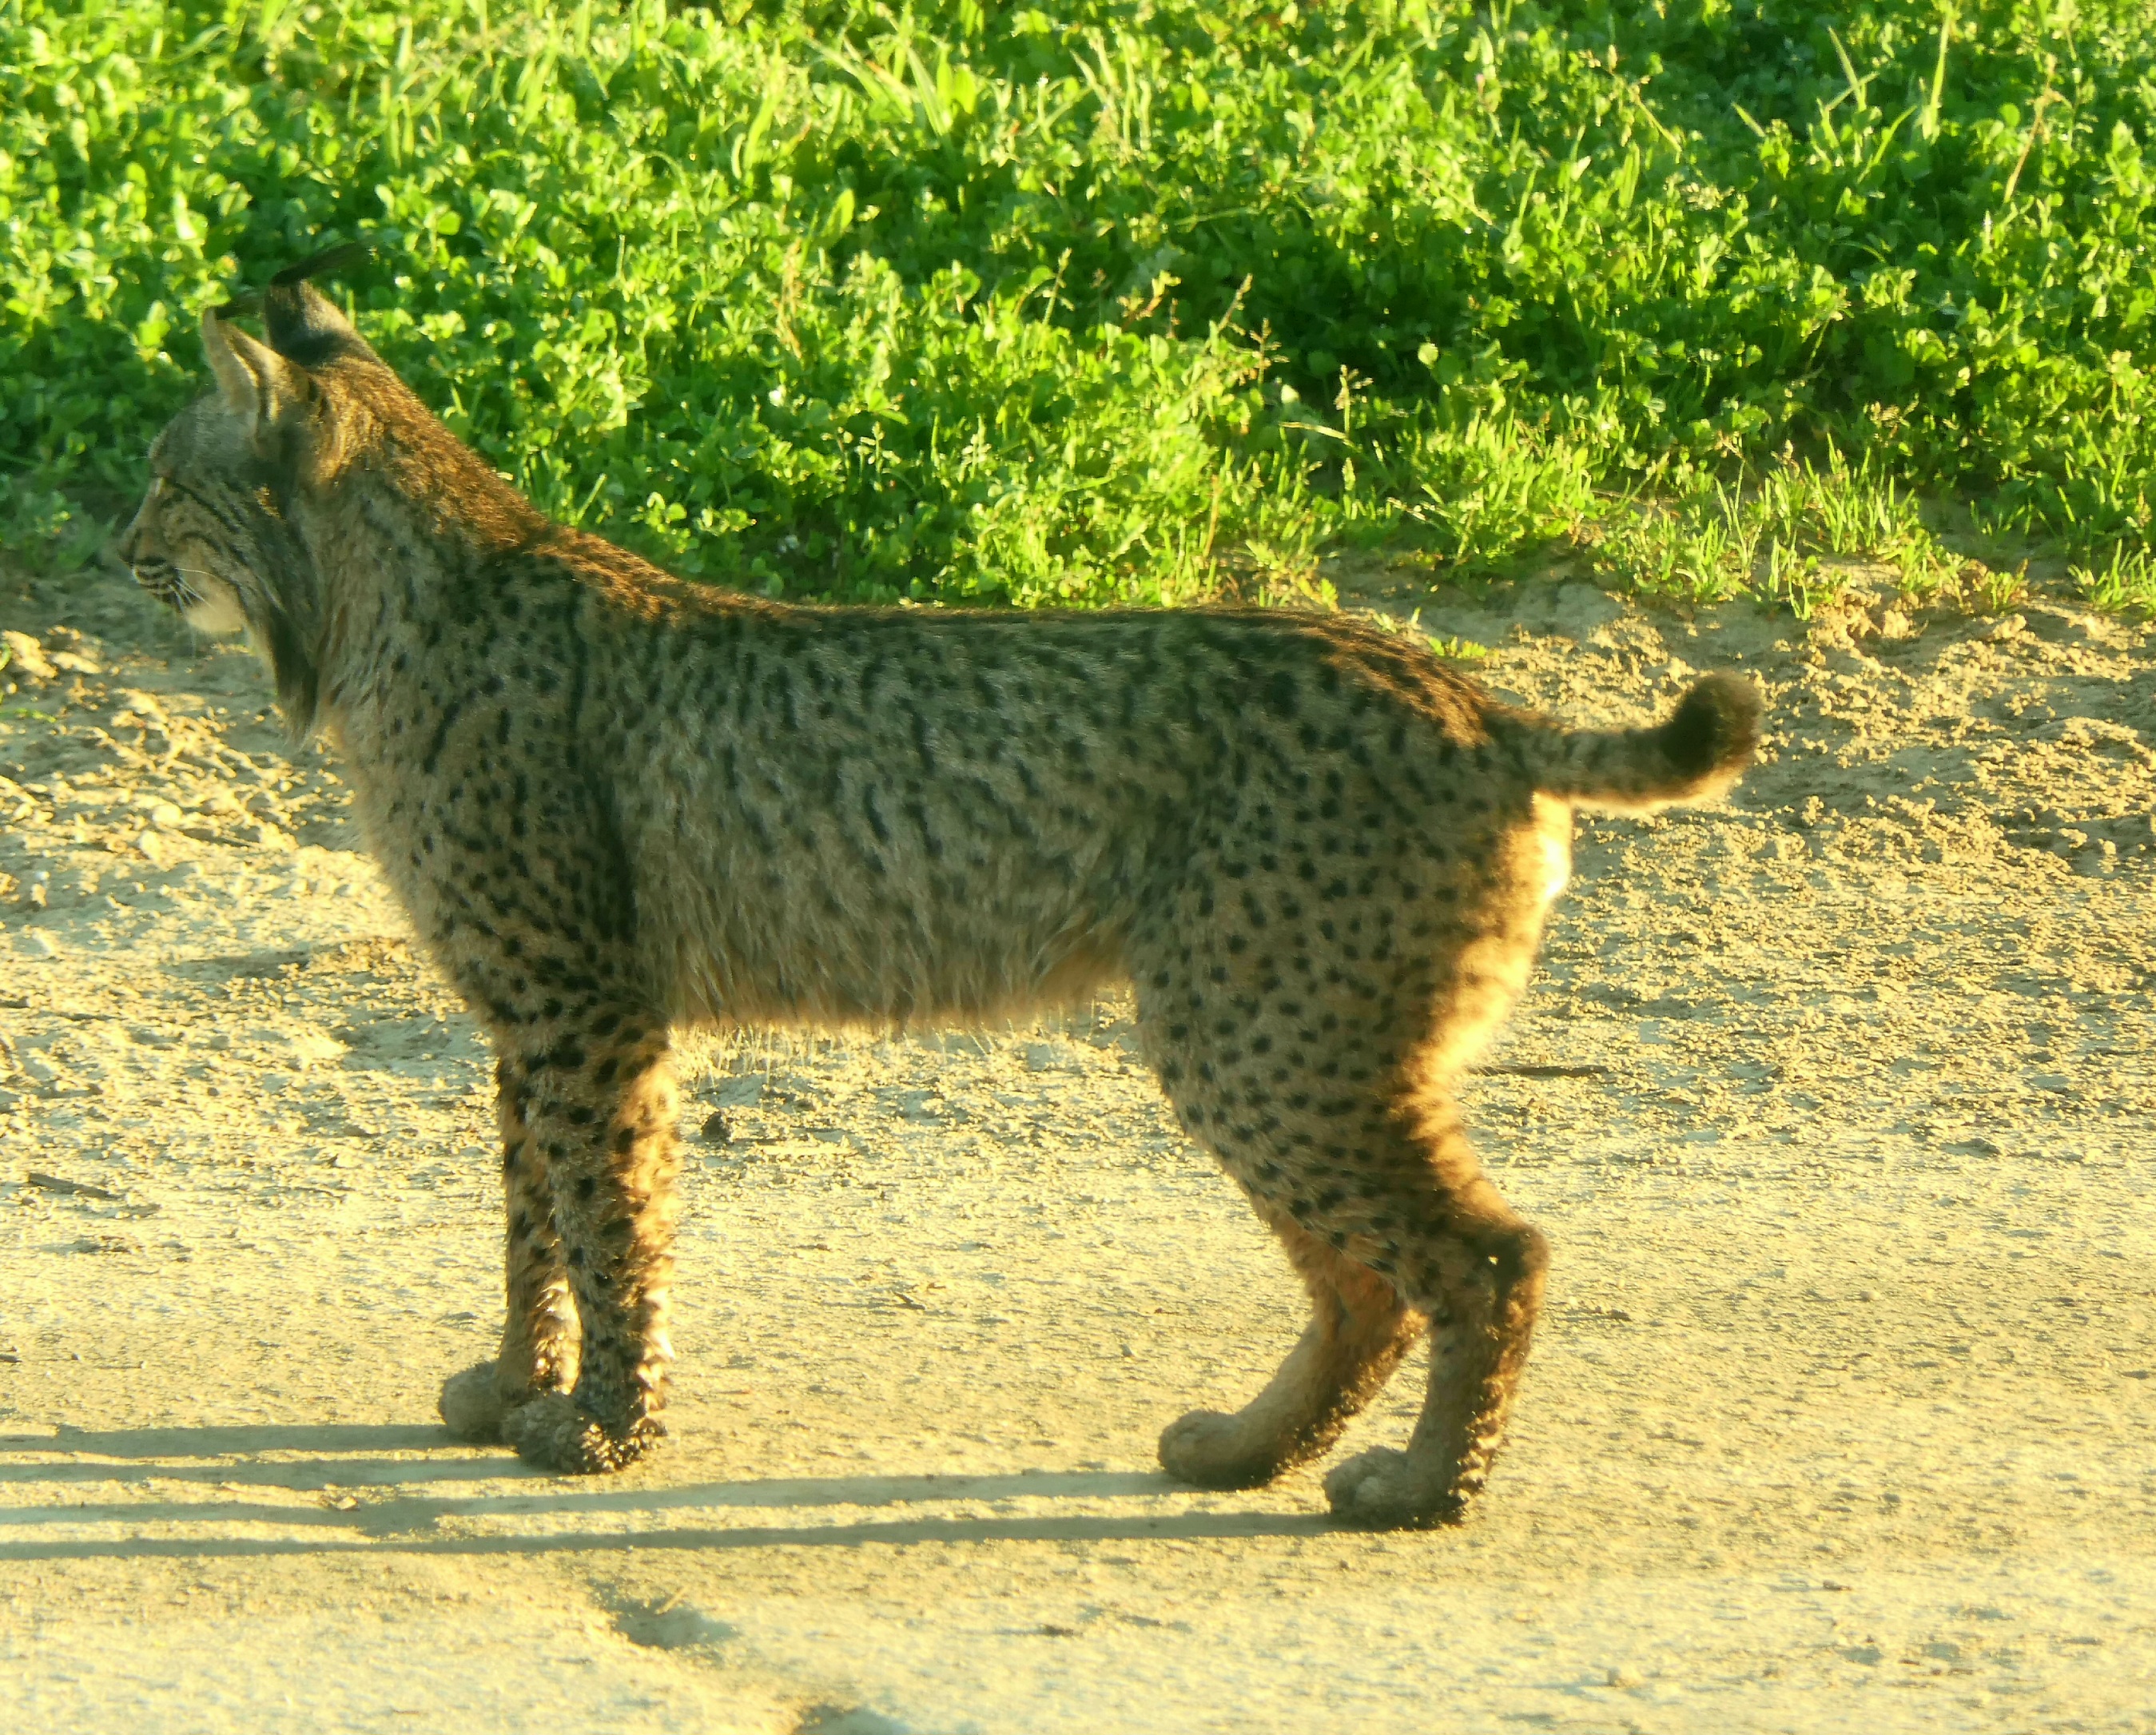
(475, 1403)
(1214, 1450)
(472, 1404)
(1384, 1490)
(551, 1433)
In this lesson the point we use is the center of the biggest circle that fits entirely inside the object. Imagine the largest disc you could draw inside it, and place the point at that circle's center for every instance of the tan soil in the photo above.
(1836, 1103)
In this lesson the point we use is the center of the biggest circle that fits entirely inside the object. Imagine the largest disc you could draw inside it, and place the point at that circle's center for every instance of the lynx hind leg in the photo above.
(539, 1347)
(1462, 1258)
(1359, 1332)
(1400, 1205)
(1313, 1066)
(601, 1105)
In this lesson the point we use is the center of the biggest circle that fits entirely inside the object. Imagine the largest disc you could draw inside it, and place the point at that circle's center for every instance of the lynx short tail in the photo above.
(1699, 751)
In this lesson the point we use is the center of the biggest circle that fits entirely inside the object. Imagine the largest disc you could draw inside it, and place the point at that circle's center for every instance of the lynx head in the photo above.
(218, 536)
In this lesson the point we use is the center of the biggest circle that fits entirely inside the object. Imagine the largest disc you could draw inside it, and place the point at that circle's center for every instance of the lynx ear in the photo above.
(258, 385)
(304, 325)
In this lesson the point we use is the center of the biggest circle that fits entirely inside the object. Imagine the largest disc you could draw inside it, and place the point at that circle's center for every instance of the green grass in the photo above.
(1139, 302)
(2125, 583)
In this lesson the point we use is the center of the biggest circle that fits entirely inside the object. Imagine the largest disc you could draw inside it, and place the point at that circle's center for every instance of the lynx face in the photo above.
(218, 537)
(203, 541)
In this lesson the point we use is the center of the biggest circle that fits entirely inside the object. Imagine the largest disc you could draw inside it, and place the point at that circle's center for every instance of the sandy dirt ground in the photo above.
(1837, 1102)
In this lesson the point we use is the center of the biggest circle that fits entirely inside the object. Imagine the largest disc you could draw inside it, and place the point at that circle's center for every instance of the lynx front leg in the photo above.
(539, 1348)
(601, 1108)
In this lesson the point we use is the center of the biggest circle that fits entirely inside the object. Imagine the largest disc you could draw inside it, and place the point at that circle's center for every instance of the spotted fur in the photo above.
(615, 803)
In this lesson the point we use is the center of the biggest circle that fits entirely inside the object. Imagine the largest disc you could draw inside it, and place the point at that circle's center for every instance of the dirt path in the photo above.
(1835, 1103)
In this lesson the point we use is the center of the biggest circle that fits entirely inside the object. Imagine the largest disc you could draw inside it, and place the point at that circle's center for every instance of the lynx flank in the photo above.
(615, 803)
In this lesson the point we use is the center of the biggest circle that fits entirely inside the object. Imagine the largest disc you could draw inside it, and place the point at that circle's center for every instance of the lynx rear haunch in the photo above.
(615, 803)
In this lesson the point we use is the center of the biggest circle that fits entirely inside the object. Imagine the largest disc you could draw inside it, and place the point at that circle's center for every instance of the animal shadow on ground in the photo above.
(368, 1468)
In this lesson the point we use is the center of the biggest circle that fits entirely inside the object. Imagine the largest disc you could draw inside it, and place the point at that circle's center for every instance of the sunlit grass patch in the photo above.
(1125, 302)
(2125, 583)
(1780, 535)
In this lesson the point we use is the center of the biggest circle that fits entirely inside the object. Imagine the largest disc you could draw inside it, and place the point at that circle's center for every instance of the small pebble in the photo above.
(34, 944)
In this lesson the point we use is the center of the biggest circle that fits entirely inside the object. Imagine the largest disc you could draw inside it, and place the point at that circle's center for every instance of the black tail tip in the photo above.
(1716, 729)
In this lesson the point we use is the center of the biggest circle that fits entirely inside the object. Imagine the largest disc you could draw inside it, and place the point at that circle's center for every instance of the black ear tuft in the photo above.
(320, 264)
(304, 324)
